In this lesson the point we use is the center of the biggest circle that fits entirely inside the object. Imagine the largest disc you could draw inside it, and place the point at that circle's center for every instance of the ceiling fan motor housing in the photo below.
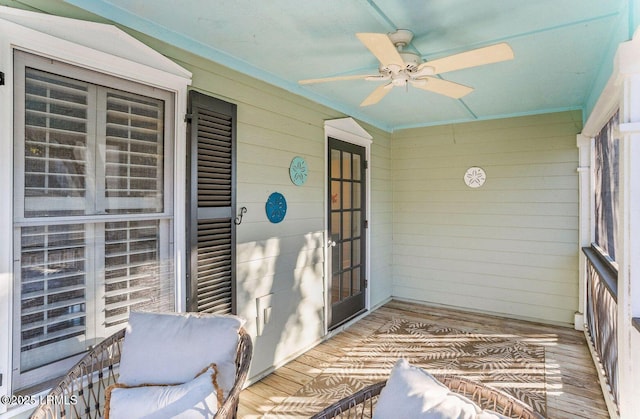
(401, 38)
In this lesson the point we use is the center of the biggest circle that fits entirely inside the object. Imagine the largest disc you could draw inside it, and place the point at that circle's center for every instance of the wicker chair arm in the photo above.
(229, 407)
(84, 383)
(357, 404)
(87, 381)
(361, 404)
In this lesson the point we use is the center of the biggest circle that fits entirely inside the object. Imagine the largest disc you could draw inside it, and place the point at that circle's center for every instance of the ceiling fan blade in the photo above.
(443, 87)
(473, 58)
(381, 46)
(336, 78)
(377, 94)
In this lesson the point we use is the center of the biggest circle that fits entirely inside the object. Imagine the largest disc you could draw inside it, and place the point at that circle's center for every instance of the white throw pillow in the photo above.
(196, 399)
(412, 393)
(172, 348)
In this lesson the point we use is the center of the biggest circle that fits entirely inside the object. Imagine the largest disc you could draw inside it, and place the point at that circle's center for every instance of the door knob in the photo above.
(331, 243)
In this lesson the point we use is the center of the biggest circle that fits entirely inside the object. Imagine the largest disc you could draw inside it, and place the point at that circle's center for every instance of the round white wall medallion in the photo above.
(475, 177)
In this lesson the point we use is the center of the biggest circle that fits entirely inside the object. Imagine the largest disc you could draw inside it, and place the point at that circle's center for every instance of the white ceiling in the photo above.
(560, 47)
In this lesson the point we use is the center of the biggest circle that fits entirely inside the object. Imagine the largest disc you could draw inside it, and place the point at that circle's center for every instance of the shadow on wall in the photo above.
(280, 291)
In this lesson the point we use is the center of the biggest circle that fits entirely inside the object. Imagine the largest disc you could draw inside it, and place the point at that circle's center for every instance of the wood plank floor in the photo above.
(570, 379)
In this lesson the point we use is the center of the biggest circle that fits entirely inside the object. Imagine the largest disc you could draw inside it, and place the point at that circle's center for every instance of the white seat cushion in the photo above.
(412, 393)
(172, 348)
(199, 398)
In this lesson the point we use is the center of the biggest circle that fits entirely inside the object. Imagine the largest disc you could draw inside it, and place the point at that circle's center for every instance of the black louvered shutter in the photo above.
(211, 205)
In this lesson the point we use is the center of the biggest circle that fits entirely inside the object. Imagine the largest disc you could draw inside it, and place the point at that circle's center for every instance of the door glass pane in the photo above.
(334, 168)
(356, 224)
(346, 255)
(346, 195)
(346, 225)
(346, 165)
(335, 258)
(357, 197)
(356, 253)
(335, 195)
(335, 288)
(335, 226)
(356, 167)
(355, 282)
(346, 284)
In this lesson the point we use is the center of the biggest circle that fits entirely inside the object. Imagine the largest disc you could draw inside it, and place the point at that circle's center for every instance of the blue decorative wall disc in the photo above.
(298, 171)
(276, 207)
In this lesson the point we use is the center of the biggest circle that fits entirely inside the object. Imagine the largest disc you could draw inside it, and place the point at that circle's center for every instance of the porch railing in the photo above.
(602, 316)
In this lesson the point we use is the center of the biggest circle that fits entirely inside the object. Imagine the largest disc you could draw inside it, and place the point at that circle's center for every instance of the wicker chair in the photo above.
(361, 404)
(80, 393)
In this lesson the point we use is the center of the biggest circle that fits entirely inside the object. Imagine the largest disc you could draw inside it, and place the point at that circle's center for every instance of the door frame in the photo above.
(349, 131)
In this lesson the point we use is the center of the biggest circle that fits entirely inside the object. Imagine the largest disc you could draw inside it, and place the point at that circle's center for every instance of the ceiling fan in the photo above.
(402, 68)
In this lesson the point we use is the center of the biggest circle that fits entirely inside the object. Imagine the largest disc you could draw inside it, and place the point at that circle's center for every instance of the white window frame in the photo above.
(107, 50)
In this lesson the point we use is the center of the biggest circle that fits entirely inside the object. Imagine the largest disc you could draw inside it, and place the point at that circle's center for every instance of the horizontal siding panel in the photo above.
(502, 170)
(504, 233)
(495, 181)
(486, 290)
(487, 195)
(526, 311)
(490, 159)
(519, 208)
(413, 277)
(271, 141)
(489, 268)
(521, 245)
(490, 220)
(513, 145)
(525, 260)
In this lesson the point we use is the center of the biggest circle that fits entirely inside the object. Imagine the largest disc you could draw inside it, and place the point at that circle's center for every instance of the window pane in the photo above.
(606, 187)
(55, 144)
(134, 154)
(52, 293)
(134, 278)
